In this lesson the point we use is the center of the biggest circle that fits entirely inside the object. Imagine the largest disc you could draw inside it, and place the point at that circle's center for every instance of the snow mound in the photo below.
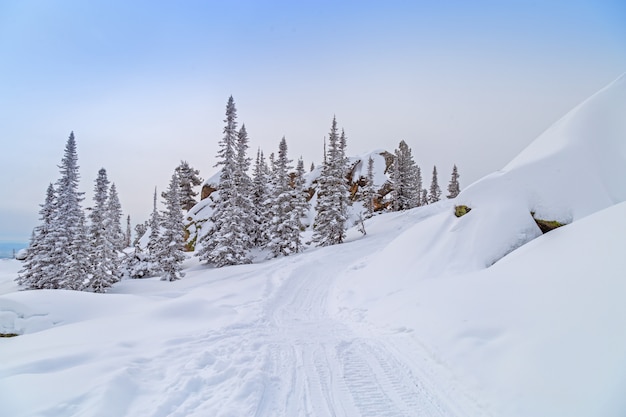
(575, 168)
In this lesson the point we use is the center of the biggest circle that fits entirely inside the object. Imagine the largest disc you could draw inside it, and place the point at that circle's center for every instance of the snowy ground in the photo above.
(426, 315)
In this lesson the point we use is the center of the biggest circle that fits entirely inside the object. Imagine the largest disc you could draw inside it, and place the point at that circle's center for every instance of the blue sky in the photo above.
(144, 84)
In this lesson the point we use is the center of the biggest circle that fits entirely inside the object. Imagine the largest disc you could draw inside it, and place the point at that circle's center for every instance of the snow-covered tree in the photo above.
(453, 186)
(114, 219)
(39, 270)
(332, 193)
(435, 192)
(405, 194)
(140, 230)
(70, 255)
(170, 253)
(424, 198)
(369, 191)
(103, 256)
(227, 242)
(128, 234)
(188, 178)
(284, 224)
(244, 186)
(154, 227)
(260, 194)
(301, 203)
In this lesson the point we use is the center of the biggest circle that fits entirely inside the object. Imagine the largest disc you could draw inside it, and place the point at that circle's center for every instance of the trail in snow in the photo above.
(294, 360)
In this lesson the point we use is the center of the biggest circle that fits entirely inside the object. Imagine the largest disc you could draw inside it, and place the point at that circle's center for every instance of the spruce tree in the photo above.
(332, 193)
(284, 224)
(227, 242)
(435, 192)
(114, 218)
(68, 226)
(244, 186)
(260, 190)
(404, 176)
(188, 178)
(301, 203)
(39, 270)
(453, 187)
(170, 252)
(369, 192)
(154, 227)
(128, 234)
(102, 252)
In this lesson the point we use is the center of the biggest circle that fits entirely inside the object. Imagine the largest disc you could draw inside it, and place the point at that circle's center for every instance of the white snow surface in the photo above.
(426, 315)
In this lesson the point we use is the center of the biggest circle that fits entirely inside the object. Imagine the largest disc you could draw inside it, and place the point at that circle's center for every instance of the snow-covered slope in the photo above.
(413, 319)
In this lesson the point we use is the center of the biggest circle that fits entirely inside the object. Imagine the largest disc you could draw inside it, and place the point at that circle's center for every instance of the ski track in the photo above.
(295, 360)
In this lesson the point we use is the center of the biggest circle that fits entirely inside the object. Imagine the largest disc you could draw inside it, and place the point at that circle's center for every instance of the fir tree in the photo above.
(39, 270)
(154, 227)
(68, 227)
(453, 187)
(227, 242)
(405, 194)
(244, 186)
(102, 251)
(170, 253)
(128, 234)
(369, 193)
(332, 193)
(301, 203)
(114, 218)
(284, 225)
(424, 198)
(435, 192)
(188, 178)
(260, 190)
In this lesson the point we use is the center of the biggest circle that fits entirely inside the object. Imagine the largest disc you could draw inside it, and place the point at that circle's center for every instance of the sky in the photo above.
(144, 84)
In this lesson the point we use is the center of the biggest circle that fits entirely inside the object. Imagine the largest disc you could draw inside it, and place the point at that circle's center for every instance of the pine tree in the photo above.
(227, 242)
(170, 252)
(369, 192)
(405, 194)
(435, 192)
(39, 271)
(260, 192)
(68, 227)
(188, 178)
(453, 187)
(284, 225)
(154, 226)
(301, 203)
(332, 193)
(244, 186)
(424, 198)
(114, 218)
(103, 257)
(128, 234)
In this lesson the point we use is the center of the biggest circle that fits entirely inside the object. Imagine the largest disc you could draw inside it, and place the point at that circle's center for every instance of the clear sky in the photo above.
(144, 84)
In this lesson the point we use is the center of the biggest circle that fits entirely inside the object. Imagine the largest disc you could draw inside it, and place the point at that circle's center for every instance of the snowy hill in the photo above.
(426, 315)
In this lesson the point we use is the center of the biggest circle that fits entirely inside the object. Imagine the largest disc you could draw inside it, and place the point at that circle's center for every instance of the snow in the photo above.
(426, 315)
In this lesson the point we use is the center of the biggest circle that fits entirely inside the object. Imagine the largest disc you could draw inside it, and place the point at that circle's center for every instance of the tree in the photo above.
(70, 255)
(102, 252)
(38, 271)
(227, 242)
(188, 178)
(114, 218)
(332, 193)
(260, 193)
(369, 192)
(154, 226)
(453, 187)
(128, 234)
(244, 186)
(404, 176)
(170, 253)
(284, 225)
(435, 192)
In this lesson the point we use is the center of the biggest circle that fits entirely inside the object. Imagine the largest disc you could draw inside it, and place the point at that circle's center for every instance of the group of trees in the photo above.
(406, 183)
(265, 210)
(67, 253)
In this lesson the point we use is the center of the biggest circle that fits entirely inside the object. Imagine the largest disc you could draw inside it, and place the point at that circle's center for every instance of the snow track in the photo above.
(295, 360)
